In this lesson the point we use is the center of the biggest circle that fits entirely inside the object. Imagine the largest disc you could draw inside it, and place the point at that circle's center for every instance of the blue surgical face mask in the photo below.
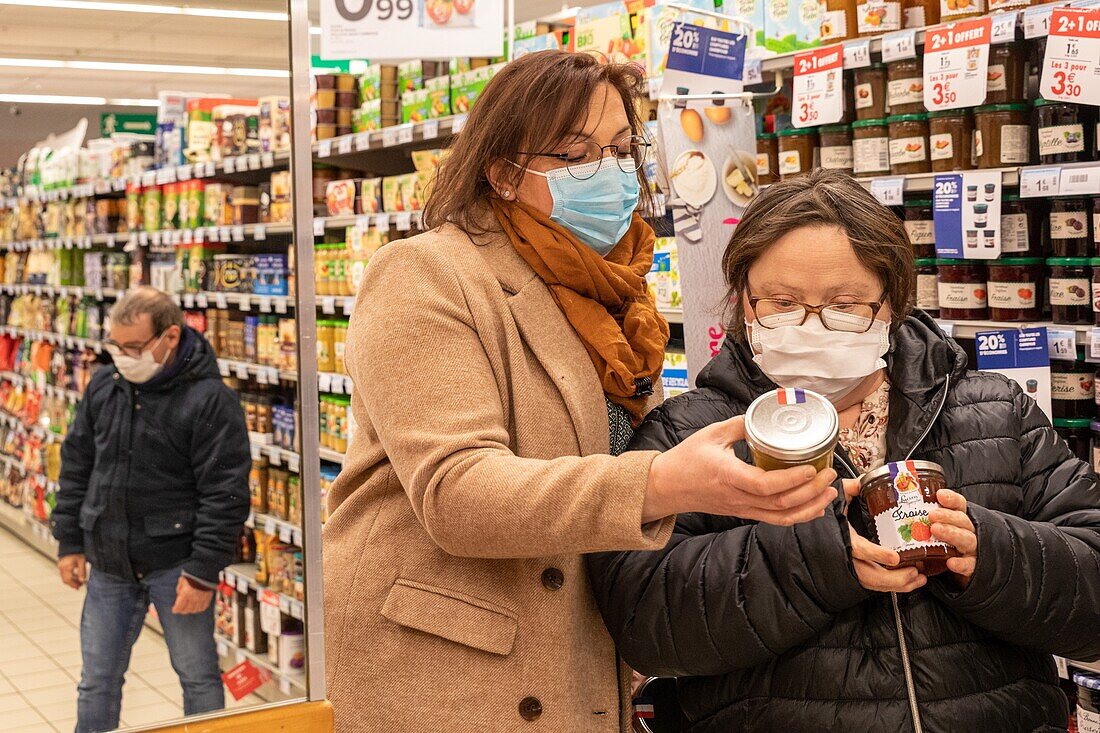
(598, 209)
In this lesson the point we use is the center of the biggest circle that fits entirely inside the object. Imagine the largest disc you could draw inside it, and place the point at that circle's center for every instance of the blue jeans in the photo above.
(114, 611)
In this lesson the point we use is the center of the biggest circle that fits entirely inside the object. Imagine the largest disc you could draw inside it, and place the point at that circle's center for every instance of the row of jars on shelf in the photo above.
(845, 19)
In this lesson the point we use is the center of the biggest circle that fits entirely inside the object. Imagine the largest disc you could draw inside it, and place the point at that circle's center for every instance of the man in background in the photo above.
(154, 493)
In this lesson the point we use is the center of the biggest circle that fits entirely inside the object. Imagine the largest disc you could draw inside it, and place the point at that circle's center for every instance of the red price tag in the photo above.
(818, 86)
(956, 64)
(244, 679)
(1071, 67)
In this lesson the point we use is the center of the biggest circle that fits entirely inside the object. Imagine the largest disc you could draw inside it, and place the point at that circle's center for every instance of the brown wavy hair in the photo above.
(822, 198)
(533, 104)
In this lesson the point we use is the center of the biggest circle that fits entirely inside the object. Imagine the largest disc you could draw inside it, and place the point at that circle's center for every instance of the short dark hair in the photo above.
(162, 310)
(822, 198)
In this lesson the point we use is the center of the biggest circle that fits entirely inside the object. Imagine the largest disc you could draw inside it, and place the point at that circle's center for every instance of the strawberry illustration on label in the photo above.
(979, 293)
(1025, 293)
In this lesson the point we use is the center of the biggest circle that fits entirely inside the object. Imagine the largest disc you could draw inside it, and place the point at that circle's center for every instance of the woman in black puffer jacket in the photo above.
(773, 628)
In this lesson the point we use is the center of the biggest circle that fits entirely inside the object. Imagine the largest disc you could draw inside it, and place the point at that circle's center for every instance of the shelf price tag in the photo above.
(230, 165)
(389, 137)
(324, 148)
(349, 306)
(284, 602)
(888, 191)
(1071, 66)
(274, 454)
(753, 72)
(261, 376)
(818, 87)
(857, 54)
(254, 163)
(430, 129)
(1079, 181)
(1003, 27)
(297, 610)
(362, 141)
(899, 45)
(267, 160)
(1039, 182)
(242, 584)
(285, 534)
(458, 123)
(405, 133)
(188, 300)
(242, 371)
(200, 300)
(271, 527)
(1037, 21)
(319, 227)
(211, 168)
(292, 461)
(297, 537)
(956, 61)
(1094, 344)
(403, 221)
(328, 305)
(265, 305)
(270, 615)
(280, 305)
(1061, 343)
(324, 382)
(343, 145)
(238, 234)
(382, 221)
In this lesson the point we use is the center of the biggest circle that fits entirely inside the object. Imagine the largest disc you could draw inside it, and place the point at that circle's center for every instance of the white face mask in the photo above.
(137, 370)
(810, 356)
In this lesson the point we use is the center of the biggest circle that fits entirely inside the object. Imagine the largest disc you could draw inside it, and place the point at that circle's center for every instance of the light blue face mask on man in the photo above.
(598, 209)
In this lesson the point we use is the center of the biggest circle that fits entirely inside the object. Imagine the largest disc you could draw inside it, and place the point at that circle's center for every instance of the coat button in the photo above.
(530, 708)
(115, 376)
(137, 407)
(177, 525)
(553, 579)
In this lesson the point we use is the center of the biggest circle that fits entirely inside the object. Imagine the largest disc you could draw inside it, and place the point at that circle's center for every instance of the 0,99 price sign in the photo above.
(402, 29)
(1071, 68)
(818, 87)
(956, 60)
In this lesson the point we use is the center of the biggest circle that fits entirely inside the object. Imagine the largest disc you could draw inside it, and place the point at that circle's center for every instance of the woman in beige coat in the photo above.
(499, 360)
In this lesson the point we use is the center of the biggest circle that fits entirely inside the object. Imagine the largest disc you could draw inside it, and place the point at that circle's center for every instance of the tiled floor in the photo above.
(40, 652)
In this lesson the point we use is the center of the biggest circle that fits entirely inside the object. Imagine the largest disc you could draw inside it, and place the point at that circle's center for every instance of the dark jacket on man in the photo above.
(768, 627)
(155, 475)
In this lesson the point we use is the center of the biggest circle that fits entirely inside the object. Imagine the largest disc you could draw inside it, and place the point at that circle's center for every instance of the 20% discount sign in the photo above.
(1071, 67)
(956, 62)
(818, 87)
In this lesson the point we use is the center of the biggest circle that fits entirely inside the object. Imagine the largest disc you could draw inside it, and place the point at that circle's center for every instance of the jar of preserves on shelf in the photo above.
(1077, 432)
(767, 158)
(835, 150)
(875, 17)
(1001, 135)
(927, 296)
(919, 13)
(1020, 228)
(869, 92)
(1006, 75)
(919, 225)
(1070, 290)
(909, 144)
(962, 290)
(905, 86)
(992, 6)
(1095, 463)
(950, 140)
(1096, 222)
(797, 149)
(1060, 131)
(1072, 388)
(326, 346)
(1095, 262)
(951, 10)
(838, 20)
(1069, 228)
(870, 147)
(791, 427)
(1014, 288)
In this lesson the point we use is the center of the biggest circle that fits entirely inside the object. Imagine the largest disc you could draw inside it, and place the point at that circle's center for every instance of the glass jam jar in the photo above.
(1095, 263)
(919, 13)
(898, 498)
(1096, 219)
(767, 158)
(870, 147)
(1014, 288)
(1060, 131)
(838, 20)
(927, 296)
(1069, 228)
(951, 10)
(1070, 290)
(875, 17)
(791, 427)
(869, 92)
(1077, 432)
(1001, 135)
(1020, 228)
(797, 147)
(962, 290)
(1072, 388)
(835, 151)
(905, 86)
(950, 140)
(909, 144)
(917, 217)
(1006, 77)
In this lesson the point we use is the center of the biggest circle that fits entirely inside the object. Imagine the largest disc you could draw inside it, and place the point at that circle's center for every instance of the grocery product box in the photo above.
(530, 29)
(788, 25)
(270, 274)
(370, 83)
(467, 86)
(370, 196)
(340, 197)
(439, 96)
(274, 124)
(368, 117)
(415, 106)
(410, 76)
(545, 42)
(674, 375)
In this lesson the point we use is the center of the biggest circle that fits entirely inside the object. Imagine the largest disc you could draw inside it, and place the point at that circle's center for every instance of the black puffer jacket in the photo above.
(156, 475)
(768, 627)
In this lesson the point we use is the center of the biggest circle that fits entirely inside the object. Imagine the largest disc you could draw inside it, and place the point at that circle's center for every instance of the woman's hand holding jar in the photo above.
(875, 565)
(951, 524)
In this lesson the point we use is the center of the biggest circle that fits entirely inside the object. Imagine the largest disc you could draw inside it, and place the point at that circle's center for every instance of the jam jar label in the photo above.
(956, 8)
(962, 295)
(921, 231)
(879, 16)
(1096, 222)
(941, 147)
(790, 162)
(905, 91)
(763, 164)
(914, 17)
(1071, 386)
(1011, 295)
(1014, 144)
(1070, 291)
(1096, 297)
(1068, 224)
(1096, 457)
(837, 156)
(1061, 139)
(995, 78)
(908, 150)
(1014, 233)
(834, 24)
(1087, 721)
(871, 155)
(906, 526)
(864, 96)
(928, 292)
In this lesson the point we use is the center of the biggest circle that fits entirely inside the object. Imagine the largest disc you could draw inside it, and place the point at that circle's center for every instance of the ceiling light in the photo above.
(144, 68)
(87, 101)
(150, 9)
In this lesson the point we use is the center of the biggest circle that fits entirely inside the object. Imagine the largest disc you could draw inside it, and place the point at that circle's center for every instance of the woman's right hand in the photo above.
(703, 474)
(876, 565)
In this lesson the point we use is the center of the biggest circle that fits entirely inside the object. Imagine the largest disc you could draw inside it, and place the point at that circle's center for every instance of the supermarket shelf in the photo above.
(334, 383)
(1089, 666)
(968, 329)
(167, 237)
(327, 454)
(274, 527)
(673, 316)
(276, 456)
(241, 301)
(236, 654)
(60, 291)
(15, 423)
(71, 395)
(924, 182)
(402, 221)
(261, 373)
(32, 532)
(69, 342)
(242, 576)
(387, 138)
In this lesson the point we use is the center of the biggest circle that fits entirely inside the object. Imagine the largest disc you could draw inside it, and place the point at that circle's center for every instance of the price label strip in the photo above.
(899, 45)
(857, 54)
(818, 87)
(1071, 67)
(956, 63)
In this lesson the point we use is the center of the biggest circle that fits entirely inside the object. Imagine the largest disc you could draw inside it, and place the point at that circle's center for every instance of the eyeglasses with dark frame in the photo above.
(114, 348)
(630, 154)
(834, 316)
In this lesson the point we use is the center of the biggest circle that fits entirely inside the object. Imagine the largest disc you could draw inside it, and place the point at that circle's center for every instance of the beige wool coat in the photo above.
(456, 598)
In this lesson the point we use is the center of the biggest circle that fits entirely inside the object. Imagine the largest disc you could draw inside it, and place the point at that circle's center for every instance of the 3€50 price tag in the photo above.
(818, 86)
(956, 62)
(1071, 67)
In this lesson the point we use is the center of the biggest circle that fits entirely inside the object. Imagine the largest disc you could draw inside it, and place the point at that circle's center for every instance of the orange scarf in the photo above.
(605, 299)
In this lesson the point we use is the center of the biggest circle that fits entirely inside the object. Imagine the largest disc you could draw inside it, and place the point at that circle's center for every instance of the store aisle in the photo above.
(40, 652)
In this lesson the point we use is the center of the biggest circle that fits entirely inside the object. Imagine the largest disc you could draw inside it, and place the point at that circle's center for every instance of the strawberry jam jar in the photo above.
(898, 498)
(1013, 291)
